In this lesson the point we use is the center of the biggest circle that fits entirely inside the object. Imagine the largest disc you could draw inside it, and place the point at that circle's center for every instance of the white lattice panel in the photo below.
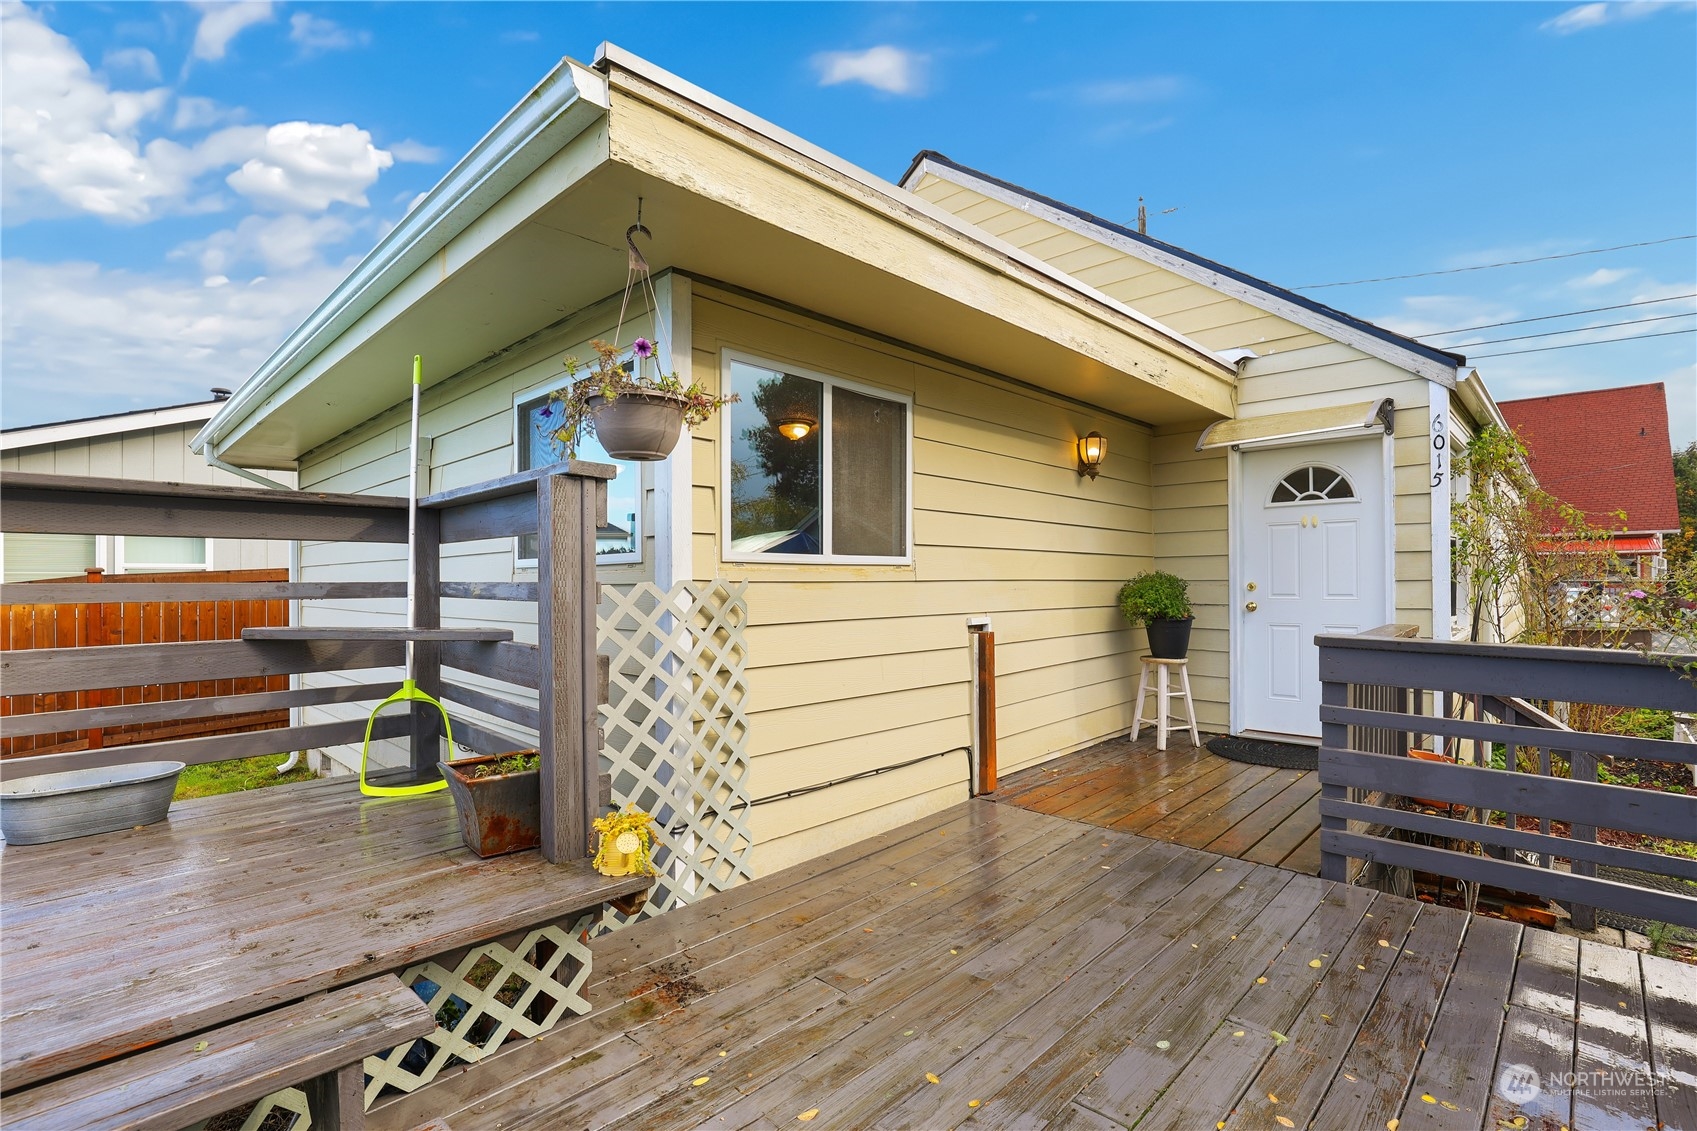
(291, 1100)
(676, 729)
(491, 993)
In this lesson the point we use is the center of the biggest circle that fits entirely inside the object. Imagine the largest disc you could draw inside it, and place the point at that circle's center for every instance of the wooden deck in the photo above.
(991, 966)
(1184, 795)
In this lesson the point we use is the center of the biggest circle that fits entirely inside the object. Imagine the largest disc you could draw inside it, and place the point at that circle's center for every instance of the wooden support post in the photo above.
(568, 513)
(427, 654)
(1334, 865)
(1582, 766)
(984, 707)
(94, 616)
(337, 1099)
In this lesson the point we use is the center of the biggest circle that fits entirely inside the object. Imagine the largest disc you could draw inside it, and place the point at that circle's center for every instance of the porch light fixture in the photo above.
(1092, 450)
(795, 427)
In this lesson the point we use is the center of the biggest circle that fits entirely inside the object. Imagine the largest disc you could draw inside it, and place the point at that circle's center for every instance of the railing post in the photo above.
(1333, 865)
(427, 654)
(94, 616)
(569, 510)
(1582, 766)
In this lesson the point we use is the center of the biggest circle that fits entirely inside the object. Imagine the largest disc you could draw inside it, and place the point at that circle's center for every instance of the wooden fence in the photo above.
(557, 685)
(1452, 831)
(71, 613)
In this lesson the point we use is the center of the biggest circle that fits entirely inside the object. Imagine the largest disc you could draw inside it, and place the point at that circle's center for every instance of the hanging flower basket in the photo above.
(638, 425)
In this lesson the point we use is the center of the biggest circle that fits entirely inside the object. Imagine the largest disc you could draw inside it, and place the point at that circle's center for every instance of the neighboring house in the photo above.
(1607, 453)
(957, 336)
(147, 444)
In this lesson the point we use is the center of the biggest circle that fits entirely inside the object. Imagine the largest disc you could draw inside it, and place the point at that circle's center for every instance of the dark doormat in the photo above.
(1259, 752)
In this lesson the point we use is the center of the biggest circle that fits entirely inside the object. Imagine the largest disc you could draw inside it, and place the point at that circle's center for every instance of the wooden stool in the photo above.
(1163, 692)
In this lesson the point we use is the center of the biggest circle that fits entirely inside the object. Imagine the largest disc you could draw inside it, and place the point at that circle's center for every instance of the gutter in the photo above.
(565, 103)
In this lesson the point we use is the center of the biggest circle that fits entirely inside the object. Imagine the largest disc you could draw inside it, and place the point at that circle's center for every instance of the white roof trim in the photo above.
(118, 423)
(1307, 425)
(642, 68)
(560, 107)
(1233, 288)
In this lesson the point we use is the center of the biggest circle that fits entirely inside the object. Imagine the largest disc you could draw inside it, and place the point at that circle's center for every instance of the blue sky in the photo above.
(184, 182)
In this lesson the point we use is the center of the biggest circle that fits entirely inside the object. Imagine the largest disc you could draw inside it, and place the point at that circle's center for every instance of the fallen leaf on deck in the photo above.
(1316, 963)
(907, 1032)
(912, 883)
(1446, 1103)
(722, 1052)
(1163, 1044)
(954, 952)
(1279, 1038)
(1260, 981)
(1392, 1124)
(1239, 1033)
(699, 1080)
(200, 1046)
(808, 1114)
(1384, 942)
(1284, 1122)
(868, 930)
(1349, 1077)
(1358, 966)
(973, 1103)
(933, 1078)
(1427, 1098)
(1220, 1126)
(1271, 1098)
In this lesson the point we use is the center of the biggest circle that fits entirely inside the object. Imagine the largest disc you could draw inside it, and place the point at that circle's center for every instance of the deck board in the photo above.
(1038, 966)
(1187, 795)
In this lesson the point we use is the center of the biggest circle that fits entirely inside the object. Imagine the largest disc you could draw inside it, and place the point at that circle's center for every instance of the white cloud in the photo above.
(289, 242)
(1587, 16)
(416, 152)
(885, 68)
(1115, 92)
(71, 144)
(314, 34)
(1601, 277)
(221, 23)
(136, 340)
(305, 165)
(1427, 315)
(139, 60)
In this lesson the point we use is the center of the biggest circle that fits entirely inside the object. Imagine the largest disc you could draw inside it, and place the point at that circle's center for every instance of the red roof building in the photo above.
(1604, 452)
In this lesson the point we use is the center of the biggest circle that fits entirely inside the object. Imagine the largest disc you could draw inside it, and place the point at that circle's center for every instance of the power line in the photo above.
(1576, 345)
(1488, 266)
(1548, 317)
(1578, 329)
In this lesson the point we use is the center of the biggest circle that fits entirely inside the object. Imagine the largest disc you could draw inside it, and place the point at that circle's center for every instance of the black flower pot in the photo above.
(1169, 639)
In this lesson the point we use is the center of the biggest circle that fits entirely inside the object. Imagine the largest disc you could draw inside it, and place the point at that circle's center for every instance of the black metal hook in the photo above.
(636, 256)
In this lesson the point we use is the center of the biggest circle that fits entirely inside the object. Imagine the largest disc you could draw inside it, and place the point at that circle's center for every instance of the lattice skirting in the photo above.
(676, 730)
(492, 993)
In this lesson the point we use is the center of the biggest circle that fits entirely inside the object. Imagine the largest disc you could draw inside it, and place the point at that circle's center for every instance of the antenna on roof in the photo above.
(1143, 216)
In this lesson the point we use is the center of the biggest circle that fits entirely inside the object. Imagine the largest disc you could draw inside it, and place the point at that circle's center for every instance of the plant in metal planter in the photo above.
(635, 407)
(499, 800)
(1161, 601)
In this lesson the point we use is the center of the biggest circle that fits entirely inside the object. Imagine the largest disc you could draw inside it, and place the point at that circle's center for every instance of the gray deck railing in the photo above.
(563, 504)
(1480, 699)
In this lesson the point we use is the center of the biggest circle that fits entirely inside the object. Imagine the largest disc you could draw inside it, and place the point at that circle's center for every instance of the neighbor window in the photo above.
(817, 468)
(150, 554)
(620, 539)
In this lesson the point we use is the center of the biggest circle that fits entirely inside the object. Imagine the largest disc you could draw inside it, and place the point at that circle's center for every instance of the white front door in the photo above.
(1312, 538)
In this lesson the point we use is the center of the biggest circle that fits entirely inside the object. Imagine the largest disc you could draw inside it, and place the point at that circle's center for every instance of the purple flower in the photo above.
(642, 347)
(1638, 593)
(545, 411)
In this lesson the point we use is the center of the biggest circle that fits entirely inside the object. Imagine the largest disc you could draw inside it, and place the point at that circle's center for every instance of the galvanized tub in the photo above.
(48, 807)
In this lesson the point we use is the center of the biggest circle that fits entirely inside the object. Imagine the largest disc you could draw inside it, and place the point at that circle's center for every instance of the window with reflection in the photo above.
(818, 468)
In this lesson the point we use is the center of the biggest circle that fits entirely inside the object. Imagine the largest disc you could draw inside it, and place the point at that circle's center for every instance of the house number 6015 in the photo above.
(1440, 441)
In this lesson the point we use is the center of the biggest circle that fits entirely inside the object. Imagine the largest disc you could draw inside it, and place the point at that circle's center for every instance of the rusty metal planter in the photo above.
(498, 814)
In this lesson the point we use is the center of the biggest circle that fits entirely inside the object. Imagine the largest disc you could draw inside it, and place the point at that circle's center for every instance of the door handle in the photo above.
(1250, 607)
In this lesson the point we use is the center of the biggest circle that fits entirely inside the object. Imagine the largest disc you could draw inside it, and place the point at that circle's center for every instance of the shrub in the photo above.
(1155, 595)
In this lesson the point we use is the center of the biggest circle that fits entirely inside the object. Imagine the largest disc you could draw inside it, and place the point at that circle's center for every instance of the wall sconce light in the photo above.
(795, 427)
(1092, 450)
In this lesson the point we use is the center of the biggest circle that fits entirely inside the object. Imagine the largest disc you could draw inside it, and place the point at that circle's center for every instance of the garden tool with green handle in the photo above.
(409, 691)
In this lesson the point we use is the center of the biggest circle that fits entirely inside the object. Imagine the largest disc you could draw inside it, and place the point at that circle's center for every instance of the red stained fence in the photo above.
(24, 626)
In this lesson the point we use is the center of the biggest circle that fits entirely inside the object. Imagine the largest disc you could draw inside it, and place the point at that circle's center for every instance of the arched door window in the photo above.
(1313, 484)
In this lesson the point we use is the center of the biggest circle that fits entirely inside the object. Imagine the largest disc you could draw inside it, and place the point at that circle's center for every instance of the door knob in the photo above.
(1250, 607)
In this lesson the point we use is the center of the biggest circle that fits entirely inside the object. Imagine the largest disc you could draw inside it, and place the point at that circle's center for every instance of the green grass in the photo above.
(236, 775)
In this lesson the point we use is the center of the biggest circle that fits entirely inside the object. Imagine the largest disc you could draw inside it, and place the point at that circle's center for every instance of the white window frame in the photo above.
(520, 399)
(826, 500)
(122, 564)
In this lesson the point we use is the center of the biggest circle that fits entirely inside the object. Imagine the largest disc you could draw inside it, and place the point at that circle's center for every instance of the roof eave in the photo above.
(568, 100)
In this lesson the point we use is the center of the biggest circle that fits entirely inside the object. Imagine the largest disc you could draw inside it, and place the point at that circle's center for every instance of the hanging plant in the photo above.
(655, 402)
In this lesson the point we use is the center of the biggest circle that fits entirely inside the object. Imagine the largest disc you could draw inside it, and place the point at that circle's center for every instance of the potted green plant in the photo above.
(635, 415)
(1162, 602)
(499, 800)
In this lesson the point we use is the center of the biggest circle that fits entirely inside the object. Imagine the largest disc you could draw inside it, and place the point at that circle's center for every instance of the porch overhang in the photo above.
(529, 229)
(1337, 422)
